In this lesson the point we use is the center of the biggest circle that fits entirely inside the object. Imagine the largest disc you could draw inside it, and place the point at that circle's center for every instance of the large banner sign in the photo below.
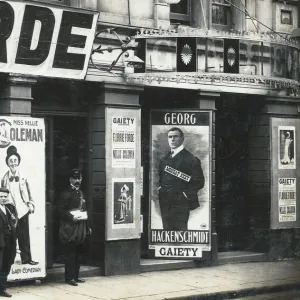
(22, 165)
(45, 40)
(180, 184)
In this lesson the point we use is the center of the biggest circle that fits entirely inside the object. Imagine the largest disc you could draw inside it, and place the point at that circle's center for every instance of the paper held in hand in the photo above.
(82, 215)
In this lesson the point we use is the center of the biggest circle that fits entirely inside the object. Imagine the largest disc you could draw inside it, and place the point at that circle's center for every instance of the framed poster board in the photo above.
(284, 175)
(22, 165)
(180, 184)
(123, 160)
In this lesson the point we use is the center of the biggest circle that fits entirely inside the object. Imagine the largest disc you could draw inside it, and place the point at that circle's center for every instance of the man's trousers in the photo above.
(72, 253)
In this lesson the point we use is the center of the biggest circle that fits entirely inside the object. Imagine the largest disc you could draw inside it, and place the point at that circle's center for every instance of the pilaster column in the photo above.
(120, 256)
(161, 14)
(207, 101)
(16, 96)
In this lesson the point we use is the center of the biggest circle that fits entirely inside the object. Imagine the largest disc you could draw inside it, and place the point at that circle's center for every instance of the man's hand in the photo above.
(76, 218)
(31, 208)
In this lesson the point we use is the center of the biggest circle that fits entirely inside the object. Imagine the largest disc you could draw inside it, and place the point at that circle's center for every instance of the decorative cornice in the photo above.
(183, 31)
(241, 80)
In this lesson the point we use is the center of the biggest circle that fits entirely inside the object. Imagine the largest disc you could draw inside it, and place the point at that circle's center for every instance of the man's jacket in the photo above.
(181, 174)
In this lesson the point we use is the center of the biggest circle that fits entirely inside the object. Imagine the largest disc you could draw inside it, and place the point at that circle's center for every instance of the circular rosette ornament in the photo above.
(186, 54)
(231, 56)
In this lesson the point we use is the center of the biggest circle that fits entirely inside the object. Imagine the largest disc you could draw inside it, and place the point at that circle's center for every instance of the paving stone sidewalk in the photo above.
(216, 282)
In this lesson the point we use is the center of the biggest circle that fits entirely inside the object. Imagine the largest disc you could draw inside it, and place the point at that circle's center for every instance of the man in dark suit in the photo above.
(180, 179)
(72, 198)
(7, 240)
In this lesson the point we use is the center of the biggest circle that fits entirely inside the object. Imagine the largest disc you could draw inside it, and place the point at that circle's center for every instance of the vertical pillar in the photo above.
(161, 14)
(282, 237)
(207, 101)
(16, 95)
(119, 256)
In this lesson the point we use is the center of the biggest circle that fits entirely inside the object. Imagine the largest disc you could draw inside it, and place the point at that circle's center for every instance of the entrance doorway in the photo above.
(232, 124)
(66, 144)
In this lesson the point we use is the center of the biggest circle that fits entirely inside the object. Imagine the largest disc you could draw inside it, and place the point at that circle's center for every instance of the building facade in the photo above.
(225, 72)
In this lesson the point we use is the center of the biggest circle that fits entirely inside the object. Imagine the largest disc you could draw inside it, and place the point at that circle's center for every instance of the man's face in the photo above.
(174, 139)
(13, 163)
(76, 181)
(3, 198)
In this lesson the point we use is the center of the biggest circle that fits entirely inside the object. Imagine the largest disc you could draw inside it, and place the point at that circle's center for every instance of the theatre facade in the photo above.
(235, 97)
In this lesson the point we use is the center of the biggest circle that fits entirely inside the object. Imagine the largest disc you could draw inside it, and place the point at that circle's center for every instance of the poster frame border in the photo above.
(151, 247)
(276, 172)
(111, 233)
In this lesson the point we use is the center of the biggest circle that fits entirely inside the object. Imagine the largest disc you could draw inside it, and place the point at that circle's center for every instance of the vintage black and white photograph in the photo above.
(149, 149)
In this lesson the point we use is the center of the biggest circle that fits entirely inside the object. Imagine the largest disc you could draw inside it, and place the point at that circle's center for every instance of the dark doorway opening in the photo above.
(66, 144)
(232, 129)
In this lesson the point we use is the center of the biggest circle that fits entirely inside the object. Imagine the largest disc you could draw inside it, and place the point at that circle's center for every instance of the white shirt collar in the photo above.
(74, 187)
(2, 207)
(177, 150)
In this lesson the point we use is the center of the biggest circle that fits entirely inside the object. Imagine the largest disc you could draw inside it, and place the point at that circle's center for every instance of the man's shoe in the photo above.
(71, 282)
(4, 293)
(79, 280)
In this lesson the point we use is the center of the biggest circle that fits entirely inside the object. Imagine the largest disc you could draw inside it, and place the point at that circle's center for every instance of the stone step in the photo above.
(151, 265)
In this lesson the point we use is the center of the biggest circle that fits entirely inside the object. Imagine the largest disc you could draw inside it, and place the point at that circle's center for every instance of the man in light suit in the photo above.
(7, 240)
(20, 197)
(180, 179)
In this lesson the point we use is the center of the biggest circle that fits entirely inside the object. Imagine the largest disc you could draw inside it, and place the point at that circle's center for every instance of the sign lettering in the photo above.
(49, 41)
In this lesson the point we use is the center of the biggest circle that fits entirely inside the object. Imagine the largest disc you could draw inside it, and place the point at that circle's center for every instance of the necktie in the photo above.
(172, 153)
(12, 178)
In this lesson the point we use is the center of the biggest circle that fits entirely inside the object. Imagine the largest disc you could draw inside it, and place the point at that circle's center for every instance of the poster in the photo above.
(287, 199)
(284, 174)
(180, 184)
(287, 150)
(123, 142)
(22, 165)
(123, 173)
(123, 195)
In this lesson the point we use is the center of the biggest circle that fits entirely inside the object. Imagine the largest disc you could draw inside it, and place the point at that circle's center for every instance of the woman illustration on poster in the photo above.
(20, 197)
(123, 204)
(288, 148)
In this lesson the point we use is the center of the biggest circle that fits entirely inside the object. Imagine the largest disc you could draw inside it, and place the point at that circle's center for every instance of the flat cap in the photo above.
(75, 173)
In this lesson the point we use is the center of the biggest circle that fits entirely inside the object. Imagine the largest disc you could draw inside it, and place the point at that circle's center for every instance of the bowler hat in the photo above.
(4, 190)
(75, 173)
(12, 150)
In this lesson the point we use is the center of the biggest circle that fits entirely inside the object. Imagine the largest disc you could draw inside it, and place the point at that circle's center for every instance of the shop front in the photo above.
(243, 83)
(43, 124)
(229, 99)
